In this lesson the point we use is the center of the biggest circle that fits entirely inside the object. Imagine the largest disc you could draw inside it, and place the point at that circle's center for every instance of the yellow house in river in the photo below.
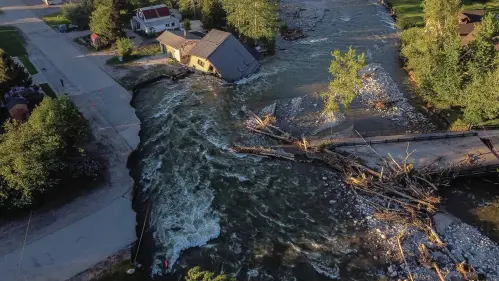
(218, 52)
(177, 44)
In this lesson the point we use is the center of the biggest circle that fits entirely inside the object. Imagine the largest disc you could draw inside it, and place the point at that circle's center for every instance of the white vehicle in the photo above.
(53, 2)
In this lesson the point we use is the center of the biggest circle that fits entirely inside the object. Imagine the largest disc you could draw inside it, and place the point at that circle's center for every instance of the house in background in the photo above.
(467, 22)
(155, 19)
(178, 44)
(222, 54)
(18, 108)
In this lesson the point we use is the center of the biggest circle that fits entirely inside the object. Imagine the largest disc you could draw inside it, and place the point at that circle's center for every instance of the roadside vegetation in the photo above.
(449, 76)
(134, 54)
(12, 43)
(410, 12)
(56, 19)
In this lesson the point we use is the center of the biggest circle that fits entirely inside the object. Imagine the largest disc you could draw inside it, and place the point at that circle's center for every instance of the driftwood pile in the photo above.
(398, 192)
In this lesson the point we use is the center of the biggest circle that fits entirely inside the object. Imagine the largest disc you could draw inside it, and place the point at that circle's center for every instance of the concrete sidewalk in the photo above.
(65, 241)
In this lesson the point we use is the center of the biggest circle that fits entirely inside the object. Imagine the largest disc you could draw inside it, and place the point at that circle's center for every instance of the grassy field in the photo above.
(13, 43)
(55, 19)
(137, 53)
(410, 12)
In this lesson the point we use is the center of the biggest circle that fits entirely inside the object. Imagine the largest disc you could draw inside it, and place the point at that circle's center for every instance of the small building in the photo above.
(222, 54)
(178, 44)
(155, 19)
(18, 108)
(96, 40)
(467, 22)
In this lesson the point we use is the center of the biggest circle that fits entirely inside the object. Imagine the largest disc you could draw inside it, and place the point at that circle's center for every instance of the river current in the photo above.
(257, 219)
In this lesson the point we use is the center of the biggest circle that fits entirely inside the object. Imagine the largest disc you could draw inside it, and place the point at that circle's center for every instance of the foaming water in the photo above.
(259, 219)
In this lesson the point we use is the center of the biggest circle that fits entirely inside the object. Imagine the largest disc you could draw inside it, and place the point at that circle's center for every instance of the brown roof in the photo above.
(175, 39)
(466, 28)
(157, 11)
(206, 46)
(472, 15)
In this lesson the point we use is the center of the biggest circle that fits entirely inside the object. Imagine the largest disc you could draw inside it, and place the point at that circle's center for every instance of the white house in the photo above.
(155, 19)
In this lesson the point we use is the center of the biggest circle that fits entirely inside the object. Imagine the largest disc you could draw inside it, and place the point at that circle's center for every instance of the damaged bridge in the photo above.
(478, 149)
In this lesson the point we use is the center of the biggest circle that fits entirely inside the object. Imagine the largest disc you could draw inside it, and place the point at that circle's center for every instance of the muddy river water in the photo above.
(252, 218)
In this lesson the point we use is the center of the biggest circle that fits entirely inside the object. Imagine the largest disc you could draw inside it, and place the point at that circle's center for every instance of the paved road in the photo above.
(64, 241)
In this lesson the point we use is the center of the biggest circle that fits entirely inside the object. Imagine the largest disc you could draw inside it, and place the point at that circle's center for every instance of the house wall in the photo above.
(173, 52)
(194, 64)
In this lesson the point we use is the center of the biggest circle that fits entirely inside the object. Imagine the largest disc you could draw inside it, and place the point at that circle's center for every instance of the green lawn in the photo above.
(137, 53)
(12, 42)
(410, 12)
(55, 19)
(47, 90)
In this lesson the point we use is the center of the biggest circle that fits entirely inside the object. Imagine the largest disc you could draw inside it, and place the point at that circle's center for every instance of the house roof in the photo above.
(229, 57)
(14, 101)
(466, 28)
(206, 46)
(157, 11)
(175, 38)
(472, 15)
(159, 21)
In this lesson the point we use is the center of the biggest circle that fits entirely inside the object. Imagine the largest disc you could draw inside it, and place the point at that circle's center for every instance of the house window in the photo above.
(201, 63)
(167, 25)
(210, 68)
(173, 24)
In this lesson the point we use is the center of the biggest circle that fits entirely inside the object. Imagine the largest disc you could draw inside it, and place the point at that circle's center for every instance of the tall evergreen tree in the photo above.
(213, 14)
(441, 16)
(255, 19)
(11, 74)
(105, 21)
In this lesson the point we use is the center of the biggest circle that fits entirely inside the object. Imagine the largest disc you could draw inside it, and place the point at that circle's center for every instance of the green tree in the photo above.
(11, 74)
(186, 24)
(255, 19)
(190, 7)
(213, 14)
(197, 274)
(441, 16)
(124, 46)
(344, 87)
(105, 21)
(480, 98)
(41, 153)
(78, 14)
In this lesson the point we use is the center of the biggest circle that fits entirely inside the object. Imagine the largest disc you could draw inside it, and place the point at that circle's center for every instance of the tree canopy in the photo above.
(11, 74)
(448, 73)
(105, 21)
(255, 19)
(344, 86)
(42, 153)
(197, 274)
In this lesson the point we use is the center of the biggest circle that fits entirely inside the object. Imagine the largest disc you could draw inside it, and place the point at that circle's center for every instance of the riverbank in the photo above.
(409, 13)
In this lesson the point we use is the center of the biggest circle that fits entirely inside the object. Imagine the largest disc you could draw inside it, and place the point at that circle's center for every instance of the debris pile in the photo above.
(400, 205)
(293, 34)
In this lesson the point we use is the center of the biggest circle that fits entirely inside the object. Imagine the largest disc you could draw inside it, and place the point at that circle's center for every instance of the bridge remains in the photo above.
(479, 149)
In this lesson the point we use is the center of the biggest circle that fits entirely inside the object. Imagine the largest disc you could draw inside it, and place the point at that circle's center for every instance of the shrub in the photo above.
(78, 14)
(42, 154)
(124, 46)
(105, 21)
(197, 274)
(11, 74)
(186, 24)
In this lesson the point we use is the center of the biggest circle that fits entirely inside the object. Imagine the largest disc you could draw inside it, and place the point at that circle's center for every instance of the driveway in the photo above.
(64, 241)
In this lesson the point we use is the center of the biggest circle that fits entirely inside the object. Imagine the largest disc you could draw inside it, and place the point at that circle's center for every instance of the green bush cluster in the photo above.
(124, 46)
(43, 153)
(449, 75)
(197, 274)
